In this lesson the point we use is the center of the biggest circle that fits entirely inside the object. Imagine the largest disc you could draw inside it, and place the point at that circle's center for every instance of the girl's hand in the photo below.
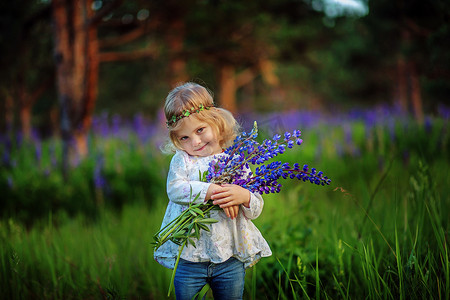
(230, 195)
(211, 190)
(231, 211)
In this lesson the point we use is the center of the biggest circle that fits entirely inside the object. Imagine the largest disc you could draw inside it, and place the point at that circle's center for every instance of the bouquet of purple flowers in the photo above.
(246, 150)
(233, 168)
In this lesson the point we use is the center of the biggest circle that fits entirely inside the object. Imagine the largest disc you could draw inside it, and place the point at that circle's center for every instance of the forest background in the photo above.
(82, 179)
(64, 61)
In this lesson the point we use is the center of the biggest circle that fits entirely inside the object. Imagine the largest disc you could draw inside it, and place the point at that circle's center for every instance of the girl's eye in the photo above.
(200, 130)
(183, 138)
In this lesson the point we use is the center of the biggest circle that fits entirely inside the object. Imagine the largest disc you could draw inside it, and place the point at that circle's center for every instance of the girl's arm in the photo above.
(179, 185)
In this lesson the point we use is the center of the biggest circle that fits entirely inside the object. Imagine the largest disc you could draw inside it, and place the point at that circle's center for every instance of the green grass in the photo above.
(400, 252)
(80, 259)
(322, 248)
(379, 232)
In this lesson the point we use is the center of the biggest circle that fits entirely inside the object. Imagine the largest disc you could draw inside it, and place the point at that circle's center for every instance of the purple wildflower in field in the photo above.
(246, 150)
(6, 160)
(116, 125)
(10, 182)
(53, 156)
(38, 151)
(444, 111)
(100, 125)
(99, 179)
(19, 139)
(428, 125)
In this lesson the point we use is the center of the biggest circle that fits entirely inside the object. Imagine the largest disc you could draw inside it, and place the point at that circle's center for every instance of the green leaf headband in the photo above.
(187, 113)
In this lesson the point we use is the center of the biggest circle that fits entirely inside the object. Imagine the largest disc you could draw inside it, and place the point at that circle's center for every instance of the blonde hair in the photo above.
(192, 95)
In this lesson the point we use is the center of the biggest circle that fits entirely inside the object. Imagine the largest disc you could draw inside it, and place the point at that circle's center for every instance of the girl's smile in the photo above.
(198, 138)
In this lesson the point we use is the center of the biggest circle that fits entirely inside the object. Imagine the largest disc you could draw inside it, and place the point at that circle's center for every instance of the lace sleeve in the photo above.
(179, 183)
(256, 206)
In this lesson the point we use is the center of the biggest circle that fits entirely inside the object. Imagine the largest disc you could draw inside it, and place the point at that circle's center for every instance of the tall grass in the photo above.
(110, 258)
(380, 232)
(320, 250)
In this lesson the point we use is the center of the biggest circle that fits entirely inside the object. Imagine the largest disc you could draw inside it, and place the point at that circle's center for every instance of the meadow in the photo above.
(379, 231)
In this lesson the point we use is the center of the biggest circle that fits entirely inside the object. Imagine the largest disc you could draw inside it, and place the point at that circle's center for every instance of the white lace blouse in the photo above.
(227, 238)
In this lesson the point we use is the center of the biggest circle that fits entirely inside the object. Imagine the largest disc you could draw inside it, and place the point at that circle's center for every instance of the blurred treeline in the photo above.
(63, 61)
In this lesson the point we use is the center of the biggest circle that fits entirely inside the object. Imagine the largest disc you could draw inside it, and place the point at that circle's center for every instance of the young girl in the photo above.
(198, 132)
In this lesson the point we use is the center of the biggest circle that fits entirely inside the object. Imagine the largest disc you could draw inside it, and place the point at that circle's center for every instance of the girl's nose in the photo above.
(196, 141)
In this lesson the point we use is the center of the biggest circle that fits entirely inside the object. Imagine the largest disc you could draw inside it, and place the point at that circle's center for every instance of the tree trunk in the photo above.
(80, 139)
(416, 94)
(410, 75)
(77, 60)
(402, 84)
(177, 62)
(267, 68)
(79, 56)
(227, 96)
(63, 60)
(25, 121)
(93, 71)
(89, 87)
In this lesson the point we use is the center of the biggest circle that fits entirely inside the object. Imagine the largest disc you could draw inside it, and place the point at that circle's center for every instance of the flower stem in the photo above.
(175, 268)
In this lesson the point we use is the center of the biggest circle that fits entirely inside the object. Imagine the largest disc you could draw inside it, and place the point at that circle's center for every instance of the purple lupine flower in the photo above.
(139, 127)
(6, 160)
(428, 124)
(19, 139)
(53, 158)
(116, 122)
(444, 111)
(10, 182)
(103, 125)
(38, 151)
(99, 179)
(230, 168)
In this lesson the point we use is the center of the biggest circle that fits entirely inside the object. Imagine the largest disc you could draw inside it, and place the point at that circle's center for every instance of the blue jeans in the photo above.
(225, 279)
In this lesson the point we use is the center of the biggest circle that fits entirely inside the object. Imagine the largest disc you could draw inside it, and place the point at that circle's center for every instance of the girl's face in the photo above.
(198, 138)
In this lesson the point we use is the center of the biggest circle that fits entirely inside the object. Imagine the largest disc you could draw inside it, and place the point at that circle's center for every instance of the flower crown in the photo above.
(187, 113)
